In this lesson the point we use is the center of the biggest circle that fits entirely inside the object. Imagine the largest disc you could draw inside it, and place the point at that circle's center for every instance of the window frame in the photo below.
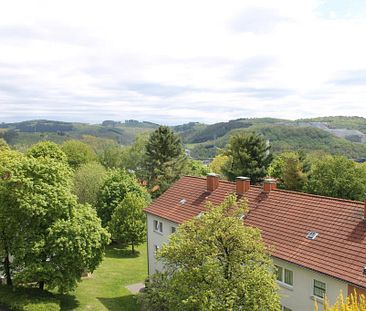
(158, 226)
(315, 287)
(281, 275)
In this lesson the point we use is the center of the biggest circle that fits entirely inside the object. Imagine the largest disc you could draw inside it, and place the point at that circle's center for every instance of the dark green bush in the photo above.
(28, 299)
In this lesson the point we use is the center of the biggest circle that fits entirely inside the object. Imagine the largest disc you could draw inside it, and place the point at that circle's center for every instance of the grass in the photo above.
(105, 289)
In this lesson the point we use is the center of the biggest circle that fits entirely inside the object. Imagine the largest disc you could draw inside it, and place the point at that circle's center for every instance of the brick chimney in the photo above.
(269, 184)
(242, 185)
(212, 182)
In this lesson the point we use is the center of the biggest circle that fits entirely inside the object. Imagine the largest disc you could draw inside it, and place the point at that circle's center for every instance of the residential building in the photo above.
(317, 243)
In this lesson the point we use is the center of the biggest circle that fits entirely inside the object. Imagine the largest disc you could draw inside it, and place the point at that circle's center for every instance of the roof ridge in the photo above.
(288, 191)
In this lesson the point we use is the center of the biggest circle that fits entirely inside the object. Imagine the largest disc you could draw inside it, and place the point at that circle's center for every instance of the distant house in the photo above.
(318, 243)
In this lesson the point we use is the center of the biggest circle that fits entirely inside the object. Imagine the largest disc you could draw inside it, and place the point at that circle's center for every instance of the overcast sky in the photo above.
(177, 61)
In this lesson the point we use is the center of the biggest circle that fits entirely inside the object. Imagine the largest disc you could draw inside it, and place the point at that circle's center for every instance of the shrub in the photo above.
(28, 299)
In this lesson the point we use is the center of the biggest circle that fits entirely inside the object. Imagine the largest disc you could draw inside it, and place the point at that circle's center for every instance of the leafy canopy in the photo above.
(115, 188)
(88, 180)
(52, 238)
(214, 262)
(337, 176)
(128, 222)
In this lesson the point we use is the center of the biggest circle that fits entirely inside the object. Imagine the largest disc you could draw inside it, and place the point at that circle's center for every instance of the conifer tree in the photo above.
(248, 156)
(165, 158)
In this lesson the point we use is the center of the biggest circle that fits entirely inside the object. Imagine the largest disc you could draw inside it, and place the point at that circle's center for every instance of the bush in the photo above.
(28, 299)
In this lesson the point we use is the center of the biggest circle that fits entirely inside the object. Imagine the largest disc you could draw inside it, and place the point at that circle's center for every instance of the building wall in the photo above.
(300, 296)
(158, 239)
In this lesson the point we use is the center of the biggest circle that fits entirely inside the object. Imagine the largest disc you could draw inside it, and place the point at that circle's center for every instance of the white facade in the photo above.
(155, 239)
(300, 296)
(296, 297)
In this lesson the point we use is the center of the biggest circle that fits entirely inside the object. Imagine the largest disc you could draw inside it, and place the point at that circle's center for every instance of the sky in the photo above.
(173, 61)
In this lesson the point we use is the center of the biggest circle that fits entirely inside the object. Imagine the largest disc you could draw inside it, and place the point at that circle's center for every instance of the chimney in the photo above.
(269, 184)
(212, 182)
(242, 185)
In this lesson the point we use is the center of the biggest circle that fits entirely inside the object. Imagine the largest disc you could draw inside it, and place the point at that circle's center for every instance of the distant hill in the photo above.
(336, 135)
(29, 132)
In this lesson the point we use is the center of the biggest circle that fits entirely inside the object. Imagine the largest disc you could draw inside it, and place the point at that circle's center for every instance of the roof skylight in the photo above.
(183, 201)
(312, 235)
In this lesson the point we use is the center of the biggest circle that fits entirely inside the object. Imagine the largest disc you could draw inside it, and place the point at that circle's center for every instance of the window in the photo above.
(319, 289)
(174, 229)
(284, 276)
(289, 277)
(279, 272)
(158, 226)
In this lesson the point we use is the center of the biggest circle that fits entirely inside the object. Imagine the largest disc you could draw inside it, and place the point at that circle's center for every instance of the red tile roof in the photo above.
(285, 218)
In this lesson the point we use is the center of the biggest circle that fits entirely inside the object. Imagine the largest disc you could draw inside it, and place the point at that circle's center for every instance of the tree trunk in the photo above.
(133, 248)
(41, 285)
(9, 281)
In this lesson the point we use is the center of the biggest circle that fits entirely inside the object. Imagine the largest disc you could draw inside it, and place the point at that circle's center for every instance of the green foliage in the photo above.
(88, 180)
(52, 238)
(353, 302)
(128, 222)
(337, 176)
(111, 157)
(47, 149)
(214, 262)
(116, 186)
(288, 169)
(248, 156)
(218, 163)
(165, 159)
(196, 168)
(3, 144)
(133, 157)
(78, 153)
(24, 299)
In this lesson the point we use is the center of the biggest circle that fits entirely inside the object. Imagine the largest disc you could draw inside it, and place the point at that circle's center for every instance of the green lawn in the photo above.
(105, 290)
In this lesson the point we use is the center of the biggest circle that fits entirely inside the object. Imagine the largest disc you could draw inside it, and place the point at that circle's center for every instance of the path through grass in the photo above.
(105, 290)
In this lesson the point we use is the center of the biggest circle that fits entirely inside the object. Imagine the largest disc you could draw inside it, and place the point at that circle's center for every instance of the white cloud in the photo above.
(175, 61)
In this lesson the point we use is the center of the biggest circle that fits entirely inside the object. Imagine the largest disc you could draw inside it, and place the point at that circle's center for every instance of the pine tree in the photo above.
(165, 158)
(248, 156)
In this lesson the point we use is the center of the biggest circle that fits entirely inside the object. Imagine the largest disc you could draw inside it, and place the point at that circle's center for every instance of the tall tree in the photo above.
(337, 176)
(115, 188)
(128, 222)
(53, 246)
(214, 262)
(165, 158)
(248, 156)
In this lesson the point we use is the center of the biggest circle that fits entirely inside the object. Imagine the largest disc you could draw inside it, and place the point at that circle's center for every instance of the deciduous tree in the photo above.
(78, 153)
(214, 262)
(54, 240)
(115, 188)
(128, 223)
(337, 176)
(88, 180)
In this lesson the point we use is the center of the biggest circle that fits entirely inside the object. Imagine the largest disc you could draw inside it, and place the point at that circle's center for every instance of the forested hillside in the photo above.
(335, 135)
